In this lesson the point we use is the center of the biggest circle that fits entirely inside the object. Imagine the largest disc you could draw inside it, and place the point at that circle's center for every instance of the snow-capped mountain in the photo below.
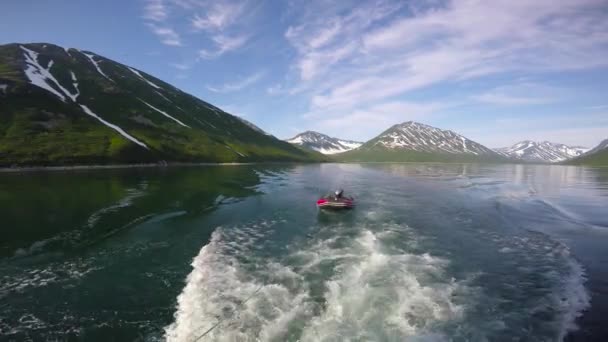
(323, 143)
(544, 152)
(423, 138)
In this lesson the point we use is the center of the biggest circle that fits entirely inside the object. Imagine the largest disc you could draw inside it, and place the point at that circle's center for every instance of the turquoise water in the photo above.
(433, 252)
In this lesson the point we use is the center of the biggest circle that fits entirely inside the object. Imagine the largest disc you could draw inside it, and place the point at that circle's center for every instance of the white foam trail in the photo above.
(369, 295)
(53, 273)
(574, 299)
(563, 276)
(221, 290)
(384, 297)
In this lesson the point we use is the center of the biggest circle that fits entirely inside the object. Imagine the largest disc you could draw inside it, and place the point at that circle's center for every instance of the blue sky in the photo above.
(495, 71)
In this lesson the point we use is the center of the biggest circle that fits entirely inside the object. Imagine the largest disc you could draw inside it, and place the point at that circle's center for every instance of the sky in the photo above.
(497, 72)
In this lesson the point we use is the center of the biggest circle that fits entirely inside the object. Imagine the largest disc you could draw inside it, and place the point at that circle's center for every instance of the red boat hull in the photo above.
(346, 203)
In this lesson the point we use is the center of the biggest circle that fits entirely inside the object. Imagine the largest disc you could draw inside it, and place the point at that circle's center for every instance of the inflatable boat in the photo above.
(331, 202)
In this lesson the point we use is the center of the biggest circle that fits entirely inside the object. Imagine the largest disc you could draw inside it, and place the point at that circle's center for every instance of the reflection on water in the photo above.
(37, 206)
(79, 247)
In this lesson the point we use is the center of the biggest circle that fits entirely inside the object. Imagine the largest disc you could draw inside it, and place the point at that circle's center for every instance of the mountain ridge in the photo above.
(543, 152)
(413, 141)
(323, 143)
(69, 106)
(401, 136)
(597, 156)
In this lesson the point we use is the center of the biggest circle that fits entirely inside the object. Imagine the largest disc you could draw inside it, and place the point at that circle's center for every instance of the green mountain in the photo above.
(413, 142)
(598, 156)
(66, 106)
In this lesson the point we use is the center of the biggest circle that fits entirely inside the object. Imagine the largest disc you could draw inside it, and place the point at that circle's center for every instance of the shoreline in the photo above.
(108, 166)
(177, 164)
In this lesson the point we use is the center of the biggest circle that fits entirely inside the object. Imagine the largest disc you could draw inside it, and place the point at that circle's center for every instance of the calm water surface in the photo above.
(433, 252)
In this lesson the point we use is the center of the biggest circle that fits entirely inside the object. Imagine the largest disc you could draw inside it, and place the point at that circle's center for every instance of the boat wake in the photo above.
(373, 282)
(339, 288)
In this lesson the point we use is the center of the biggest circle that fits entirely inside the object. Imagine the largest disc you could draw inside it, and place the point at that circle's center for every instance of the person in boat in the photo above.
(336, 200)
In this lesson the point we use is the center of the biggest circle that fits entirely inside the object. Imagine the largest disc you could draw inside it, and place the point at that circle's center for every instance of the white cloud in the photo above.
(180, 66)
(156, 13)
(314, 63)
(523, 93)
(223, 22)
(391, 52)
(218, 19)
(363, 124)
(218, 15)
(328, 33)
(238, 85)
(167, 35)
(155, 10)
(223, 44)
(598, 107)
(504, 99)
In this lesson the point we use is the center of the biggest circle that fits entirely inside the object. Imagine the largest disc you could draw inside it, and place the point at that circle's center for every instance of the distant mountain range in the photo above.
(543, 152)
(67, 106)
(323, 143)
(413, 141)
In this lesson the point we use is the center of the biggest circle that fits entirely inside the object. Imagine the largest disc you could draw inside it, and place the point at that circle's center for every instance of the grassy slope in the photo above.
(36, 128)
(596, 159)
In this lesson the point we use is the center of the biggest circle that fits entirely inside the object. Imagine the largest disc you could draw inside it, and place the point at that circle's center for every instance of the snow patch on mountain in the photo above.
(164, 113)
(544, 152)
(423, 138)
(39, 75)
(75, 84)
(163, 96)
(323, 143)
(96, 64)
(114, 127)
(143, 78)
